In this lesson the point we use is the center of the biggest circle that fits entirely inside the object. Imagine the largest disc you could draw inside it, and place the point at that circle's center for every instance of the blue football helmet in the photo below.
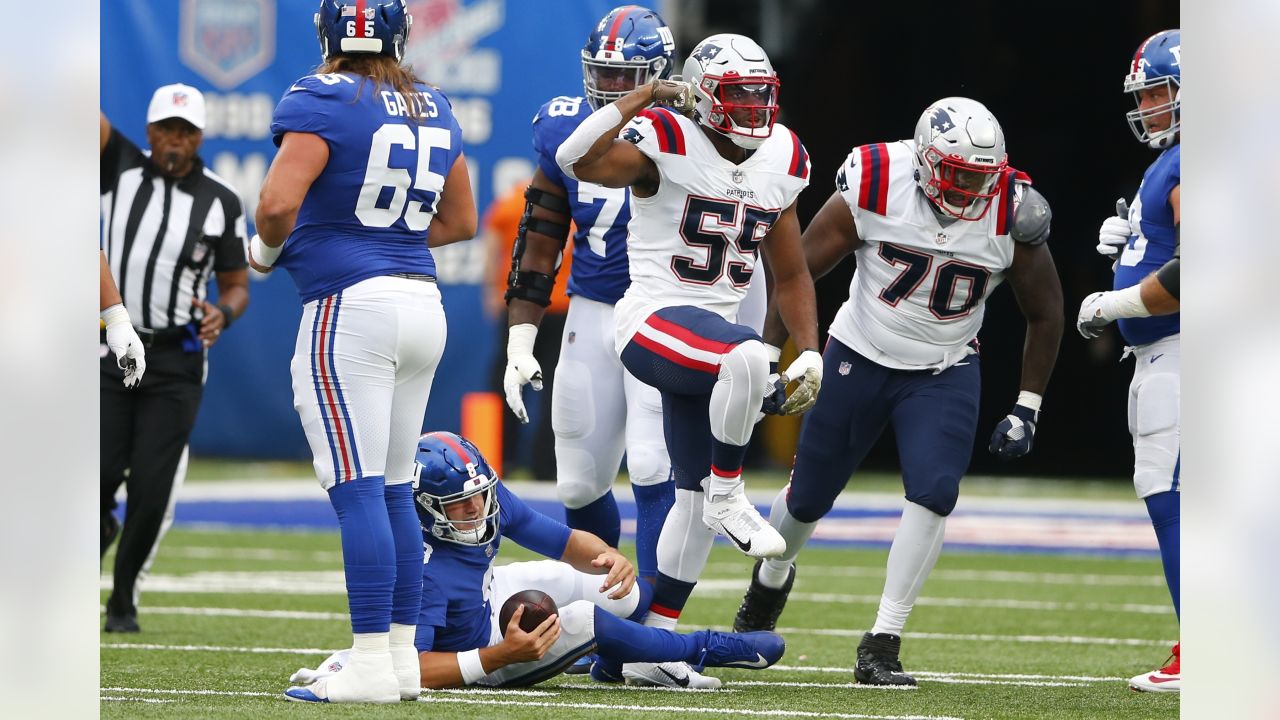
(1157, 62)
(451, 469)
(382, 30)
(629, 47)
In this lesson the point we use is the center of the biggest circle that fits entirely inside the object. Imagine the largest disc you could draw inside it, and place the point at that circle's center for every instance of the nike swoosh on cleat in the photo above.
(1159, 680)
(681, 681)
(1156, 357)
(743, 546)
(759, 662)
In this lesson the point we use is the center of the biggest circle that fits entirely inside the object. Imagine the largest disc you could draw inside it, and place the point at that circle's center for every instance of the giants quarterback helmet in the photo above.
(735, 88)
(378, 27)
(629, 47)
(1157, 63)
(961, 151)
(451, 469)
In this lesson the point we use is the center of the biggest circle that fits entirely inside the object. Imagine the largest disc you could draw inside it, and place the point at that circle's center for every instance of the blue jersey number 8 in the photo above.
(418, 213)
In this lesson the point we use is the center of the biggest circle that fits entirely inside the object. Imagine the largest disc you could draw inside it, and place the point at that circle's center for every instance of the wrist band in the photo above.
(227, 315)
(1030, 400)
(471, 667)
(116, 314)
(262, 253)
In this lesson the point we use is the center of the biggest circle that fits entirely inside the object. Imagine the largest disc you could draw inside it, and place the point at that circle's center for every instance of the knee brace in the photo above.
(648, 464)
(739, 391)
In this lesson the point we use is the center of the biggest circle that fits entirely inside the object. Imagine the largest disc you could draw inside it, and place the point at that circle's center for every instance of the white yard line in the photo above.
(436, 697)
(1064, 639)
(985, 576)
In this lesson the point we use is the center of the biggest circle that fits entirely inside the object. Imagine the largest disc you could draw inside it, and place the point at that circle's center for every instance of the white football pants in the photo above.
(1154, 417)
(362, 371)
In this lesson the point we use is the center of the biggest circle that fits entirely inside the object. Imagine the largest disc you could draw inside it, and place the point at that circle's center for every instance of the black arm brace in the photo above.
(532, 285)
(1169, 274)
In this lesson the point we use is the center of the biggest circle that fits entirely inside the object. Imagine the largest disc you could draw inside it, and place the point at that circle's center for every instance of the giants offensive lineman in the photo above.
(1145, 237)
(707, 193)
(936, 222)
(370, 174)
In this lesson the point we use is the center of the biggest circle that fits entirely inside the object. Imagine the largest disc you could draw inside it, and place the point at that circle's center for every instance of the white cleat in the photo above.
(668, 674)
(1166, 679)
(734, 517)
(364, 679)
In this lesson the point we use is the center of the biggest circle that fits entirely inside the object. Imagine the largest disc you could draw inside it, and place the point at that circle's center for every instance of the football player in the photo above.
(1144, 241)
(707, 193)
(465, 512)
(353, 227)
(936, 223)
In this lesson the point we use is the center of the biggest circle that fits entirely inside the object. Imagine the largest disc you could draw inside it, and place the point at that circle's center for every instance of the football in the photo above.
(538, 606)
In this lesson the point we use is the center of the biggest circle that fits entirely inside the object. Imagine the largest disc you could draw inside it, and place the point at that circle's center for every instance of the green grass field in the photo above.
(229, 615)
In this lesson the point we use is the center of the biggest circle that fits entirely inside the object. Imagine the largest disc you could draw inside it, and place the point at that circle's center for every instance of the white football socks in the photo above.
(774, 571)
(911, 558)
(404, 656)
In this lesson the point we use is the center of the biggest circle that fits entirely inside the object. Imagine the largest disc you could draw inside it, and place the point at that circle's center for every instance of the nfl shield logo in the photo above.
(227, 41)
(739, 176)
(941, 238)
(845, 368)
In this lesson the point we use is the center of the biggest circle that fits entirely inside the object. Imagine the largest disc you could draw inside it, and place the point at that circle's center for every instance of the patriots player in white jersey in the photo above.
(707, 194)
(936, 223)
(369, 176)
(466, 512)
(1144, 241)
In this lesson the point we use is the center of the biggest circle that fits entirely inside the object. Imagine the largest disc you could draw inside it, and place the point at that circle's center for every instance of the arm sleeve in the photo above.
(229, 254)
(119, 155)
(530, 528)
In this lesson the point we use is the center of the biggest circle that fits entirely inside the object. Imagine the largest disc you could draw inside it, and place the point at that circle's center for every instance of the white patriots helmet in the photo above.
(735, 88)
(961, 151)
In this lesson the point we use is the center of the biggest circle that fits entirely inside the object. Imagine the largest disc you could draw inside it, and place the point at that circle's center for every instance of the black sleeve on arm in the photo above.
(119, 155)
(229, 253)
(1168, 277)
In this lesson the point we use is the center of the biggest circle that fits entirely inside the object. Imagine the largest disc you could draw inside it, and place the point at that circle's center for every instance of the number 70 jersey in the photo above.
(370, 210)
(695, 242)
(919, 292)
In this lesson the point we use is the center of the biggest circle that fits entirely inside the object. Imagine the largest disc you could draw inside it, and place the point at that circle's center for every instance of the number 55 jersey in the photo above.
(918, 295)
(695, 242)
(369, 211)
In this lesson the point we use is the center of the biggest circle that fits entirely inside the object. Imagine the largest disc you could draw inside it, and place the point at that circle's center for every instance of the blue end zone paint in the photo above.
(318, 515)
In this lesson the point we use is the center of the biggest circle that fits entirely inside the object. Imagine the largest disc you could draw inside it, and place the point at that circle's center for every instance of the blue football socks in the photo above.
(653, 502)
(599, 517)
(1165, 510)
(406, 532)
(368, 552)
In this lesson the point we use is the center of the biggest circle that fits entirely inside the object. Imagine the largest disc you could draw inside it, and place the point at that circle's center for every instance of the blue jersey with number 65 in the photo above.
(369, 212)
(600, 214)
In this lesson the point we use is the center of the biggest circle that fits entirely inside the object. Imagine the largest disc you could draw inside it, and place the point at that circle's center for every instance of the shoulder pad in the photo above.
(1031, 218)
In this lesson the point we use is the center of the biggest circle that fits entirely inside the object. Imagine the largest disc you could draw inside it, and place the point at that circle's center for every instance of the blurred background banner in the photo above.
(498, 61)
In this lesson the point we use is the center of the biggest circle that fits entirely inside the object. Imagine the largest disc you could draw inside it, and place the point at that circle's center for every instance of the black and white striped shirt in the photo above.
(163, 235)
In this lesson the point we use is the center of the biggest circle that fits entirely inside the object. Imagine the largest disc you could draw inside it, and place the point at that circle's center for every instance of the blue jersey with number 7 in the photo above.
(369, 212)
(600, 215)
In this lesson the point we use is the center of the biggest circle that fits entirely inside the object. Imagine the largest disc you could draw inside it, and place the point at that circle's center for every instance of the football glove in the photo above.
(1015, 433)
(1114, 234)
(675, 94)
(807, 370)
(1093, 316)
(123, 340)
(522, 368)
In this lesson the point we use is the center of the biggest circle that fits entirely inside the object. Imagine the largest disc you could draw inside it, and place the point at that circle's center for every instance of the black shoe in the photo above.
(878, 661)
(122, 624)
(110, 530)
(762, 605)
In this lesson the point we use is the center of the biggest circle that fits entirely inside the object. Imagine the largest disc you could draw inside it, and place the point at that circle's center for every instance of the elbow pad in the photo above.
(1031, 218)
(529, 284)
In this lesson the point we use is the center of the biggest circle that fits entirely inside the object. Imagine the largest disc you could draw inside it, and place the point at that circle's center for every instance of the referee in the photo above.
(167, 222)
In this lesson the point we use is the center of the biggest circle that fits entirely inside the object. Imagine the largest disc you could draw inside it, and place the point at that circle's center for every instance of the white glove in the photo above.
(1115, 232)
(330, 666)
(125, 343)
(807, 369)
(522, 368)
(1102, 308)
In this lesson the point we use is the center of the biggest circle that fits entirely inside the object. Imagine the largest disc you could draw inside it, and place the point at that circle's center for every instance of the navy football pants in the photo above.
(934, 418)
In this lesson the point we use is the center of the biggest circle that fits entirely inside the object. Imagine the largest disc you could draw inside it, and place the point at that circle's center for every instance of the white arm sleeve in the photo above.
(581, 140)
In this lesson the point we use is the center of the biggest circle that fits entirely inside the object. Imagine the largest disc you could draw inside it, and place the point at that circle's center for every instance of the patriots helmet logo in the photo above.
(632, 136)
(706, 52)
(940, 121)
